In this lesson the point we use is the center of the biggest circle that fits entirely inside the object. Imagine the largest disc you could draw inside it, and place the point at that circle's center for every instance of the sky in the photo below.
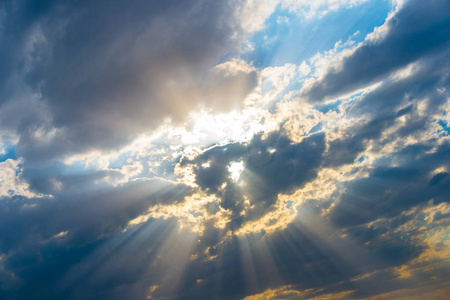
(234, 149)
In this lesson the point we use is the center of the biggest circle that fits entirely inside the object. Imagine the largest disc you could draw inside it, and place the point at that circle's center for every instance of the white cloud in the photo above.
(319, 8)
(234, 66)
(11, 182)
(253, 13)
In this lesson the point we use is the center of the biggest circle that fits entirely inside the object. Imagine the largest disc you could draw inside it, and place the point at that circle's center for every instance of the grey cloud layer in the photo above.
(108, 70)
(418, 30)
(265, 176)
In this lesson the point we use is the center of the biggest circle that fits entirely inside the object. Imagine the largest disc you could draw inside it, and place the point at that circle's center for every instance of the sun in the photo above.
(235, 169)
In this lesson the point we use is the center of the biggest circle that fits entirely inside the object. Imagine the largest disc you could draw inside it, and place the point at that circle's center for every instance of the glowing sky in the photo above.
(233, 149)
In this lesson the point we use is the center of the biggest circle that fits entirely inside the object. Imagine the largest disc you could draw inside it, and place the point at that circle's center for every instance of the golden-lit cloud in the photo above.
(290, 293)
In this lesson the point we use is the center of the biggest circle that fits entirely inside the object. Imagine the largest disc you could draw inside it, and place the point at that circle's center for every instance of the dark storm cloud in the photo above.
(290, 167)
(273, 165)
(89, 213)
(107, 70)
(388, 191)
(122, 266)
(418, 30)
(309, 254)
(393, 100)
(78, 230)
(427, 80)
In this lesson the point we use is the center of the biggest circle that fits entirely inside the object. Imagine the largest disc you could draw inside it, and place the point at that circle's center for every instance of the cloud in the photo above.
(287, 292)
(107, 71)
(416, 31)
(341, 196)
(319, 8)
(271, 166)
(12, 183)
(92, 212)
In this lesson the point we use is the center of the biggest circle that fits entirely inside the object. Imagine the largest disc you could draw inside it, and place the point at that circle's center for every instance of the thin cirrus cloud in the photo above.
(150, 150)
